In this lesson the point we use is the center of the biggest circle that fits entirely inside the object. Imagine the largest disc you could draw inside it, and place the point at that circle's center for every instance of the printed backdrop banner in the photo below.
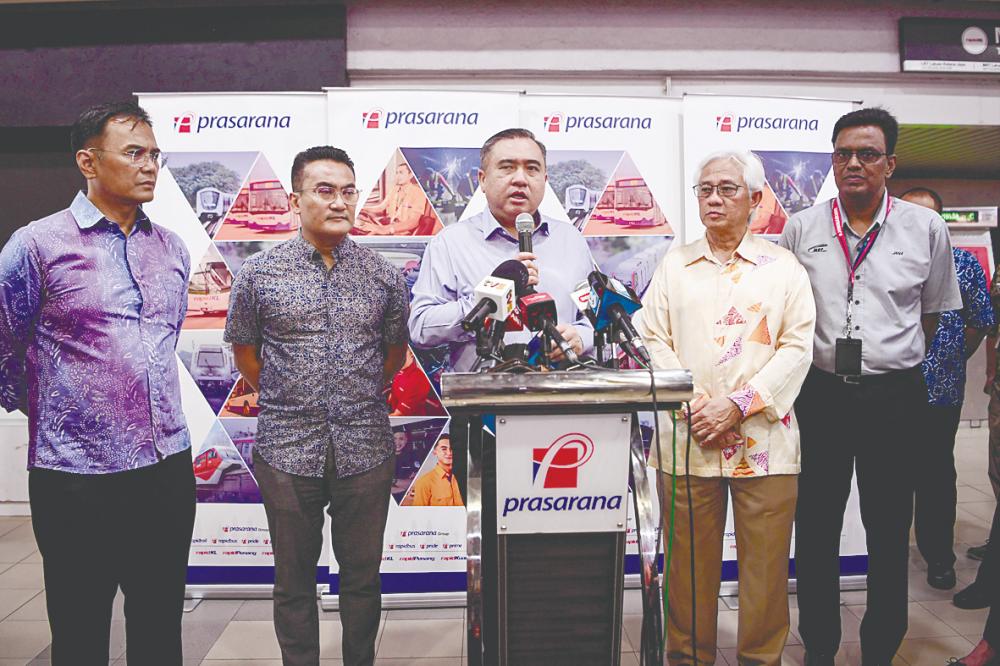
(791, 137)
(225, 191)
(416, 158)
(613, 163)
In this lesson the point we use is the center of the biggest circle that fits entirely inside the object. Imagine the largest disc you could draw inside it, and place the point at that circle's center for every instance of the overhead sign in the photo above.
(949, 45)
(562, 475)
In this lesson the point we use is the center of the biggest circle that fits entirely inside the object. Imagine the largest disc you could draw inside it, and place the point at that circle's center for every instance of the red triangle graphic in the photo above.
(210, 181)
(223, 466)
(397, 205)
(208, 292)
(627, 206)
(411, 394)
(268, 216)
(579, 177)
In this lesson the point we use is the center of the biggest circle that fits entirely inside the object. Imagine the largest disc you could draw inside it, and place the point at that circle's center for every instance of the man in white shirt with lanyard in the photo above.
(881, 272)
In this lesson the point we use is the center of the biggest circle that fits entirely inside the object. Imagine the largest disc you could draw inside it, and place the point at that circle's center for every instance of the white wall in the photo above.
(840, 49)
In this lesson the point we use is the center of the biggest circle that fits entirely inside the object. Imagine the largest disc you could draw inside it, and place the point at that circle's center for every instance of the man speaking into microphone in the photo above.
(512, 175)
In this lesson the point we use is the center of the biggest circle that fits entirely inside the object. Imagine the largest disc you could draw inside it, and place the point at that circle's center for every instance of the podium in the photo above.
(543, 460)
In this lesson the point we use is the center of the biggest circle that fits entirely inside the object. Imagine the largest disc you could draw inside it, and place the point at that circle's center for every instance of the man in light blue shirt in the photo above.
(512, 175)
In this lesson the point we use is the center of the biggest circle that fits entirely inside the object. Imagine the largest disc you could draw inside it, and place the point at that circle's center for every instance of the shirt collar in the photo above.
(880, 214)
(490, 228)
(443, 473)
(308, 252)
(88, 215)
(700, 249)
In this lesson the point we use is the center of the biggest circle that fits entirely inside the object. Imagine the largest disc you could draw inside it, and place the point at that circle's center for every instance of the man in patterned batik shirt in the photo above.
(958, 335)
(738, 312)
(318, 325)
(91, 301)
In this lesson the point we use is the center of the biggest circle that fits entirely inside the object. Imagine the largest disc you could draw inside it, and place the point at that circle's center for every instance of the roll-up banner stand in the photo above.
(225, 192)
(416, 158)
(614, 171)
(792, 137)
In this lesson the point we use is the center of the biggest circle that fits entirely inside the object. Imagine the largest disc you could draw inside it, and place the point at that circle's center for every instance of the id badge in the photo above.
(847, 358)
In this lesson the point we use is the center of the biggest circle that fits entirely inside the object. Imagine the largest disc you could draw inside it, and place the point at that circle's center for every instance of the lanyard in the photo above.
(866, 245)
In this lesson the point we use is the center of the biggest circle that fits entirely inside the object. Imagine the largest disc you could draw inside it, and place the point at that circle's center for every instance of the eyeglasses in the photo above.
(865, 155)
(328, 194)
(726, 190)
(138, 156)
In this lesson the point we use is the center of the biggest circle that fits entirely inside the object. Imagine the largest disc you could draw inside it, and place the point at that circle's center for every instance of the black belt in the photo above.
(890, 377)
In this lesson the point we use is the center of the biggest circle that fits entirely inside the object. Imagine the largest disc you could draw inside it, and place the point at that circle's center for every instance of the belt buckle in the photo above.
(851, 379)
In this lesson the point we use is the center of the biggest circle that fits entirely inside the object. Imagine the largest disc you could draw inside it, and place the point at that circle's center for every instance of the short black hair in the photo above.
(502, 135)
(926, 191)
(92, 122)
(317, 154)
(876, 116)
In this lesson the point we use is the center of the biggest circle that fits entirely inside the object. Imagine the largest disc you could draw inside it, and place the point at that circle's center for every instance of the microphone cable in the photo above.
(694, 601)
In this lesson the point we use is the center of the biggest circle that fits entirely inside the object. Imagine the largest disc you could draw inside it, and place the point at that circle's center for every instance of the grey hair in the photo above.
(753, 169)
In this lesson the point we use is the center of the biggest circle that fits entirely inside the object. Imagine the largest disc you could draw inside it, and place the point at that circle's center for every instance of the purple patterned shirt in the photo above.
(88, 328)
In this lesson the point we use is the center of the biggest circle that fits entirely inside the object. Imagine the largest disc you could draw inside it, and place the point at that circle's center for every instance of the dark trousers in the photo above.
(358, 507)
(99, 532)
(868, 427)
(936, 494)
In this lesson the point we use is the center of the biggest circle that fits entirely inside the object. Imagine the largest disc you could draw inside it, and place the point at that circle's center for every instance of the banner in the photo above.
(225, 192)
(416, 159)
(790, 136)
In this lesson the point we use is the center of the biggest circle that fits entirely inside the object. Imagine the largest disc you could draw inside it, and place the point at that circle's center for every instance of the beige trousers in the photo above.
(764, 510)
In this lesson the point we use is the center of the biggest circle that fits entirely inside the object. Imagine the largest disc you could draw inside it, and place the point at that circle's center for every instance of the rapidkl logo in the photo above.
(372, 119)
(554, 122)
(724, 123)
(557, 464)
(182, 123)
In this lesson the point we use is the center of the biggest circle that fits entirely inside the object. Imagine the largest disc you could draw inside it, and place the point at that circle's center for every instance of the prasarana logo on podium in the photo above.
(557, 464)
(551, 480)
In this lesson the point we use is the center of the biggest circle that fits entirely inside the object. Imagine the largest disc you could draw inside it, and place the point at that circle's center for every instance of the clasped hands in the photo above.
(715, 422)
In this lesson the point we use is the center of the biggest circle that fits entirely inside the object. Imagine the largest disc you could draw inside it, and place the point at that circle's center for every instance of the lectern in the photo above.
(543, 460)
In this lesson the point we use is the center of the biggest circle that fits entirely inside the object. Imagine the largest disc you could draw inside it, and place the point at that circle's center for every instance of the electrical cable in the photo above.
(687, 474)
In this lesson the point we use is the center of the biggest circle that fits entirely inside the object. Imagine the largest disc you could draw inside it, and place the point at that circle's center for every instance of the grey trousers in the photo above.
(358, 506)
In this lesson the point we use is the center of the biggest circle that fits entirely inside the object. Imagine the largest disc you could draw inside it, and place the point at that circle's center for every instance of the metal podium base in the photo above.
(560, 598)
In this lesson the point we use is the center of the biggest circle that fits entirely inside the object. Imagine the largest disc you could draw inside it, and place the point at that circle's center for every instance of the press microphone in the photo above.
(614, 304)
(538, 311)
(524, 224)
(581, 296)
(496, 294)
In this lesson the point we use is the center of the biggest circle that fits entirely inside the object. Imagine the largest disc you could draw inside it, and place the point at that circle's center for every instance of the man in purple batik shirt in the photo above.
(91, 301)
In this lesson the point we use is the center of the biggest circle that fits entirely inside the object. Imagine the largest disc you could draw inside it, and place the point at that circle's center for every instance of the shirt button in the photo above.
(857, 302)
(857, 328)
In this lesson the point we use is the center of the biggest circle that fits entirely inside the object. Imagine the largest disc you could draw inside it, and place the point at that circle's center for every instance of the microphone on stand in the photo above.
(614, 304)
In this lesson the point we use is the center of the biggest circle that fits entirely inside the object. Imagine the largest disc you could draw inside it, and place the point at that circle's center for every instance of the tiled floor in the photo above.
(229, 633)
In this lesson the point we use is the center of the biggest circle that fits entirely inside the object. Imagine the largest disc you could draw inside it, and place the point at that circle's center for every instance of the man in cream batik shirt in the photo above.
(738, 312)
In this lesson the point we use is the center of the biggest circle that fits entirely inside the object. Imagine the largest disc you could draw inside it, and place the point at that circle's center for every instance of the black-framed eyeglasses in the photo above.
(328, 194)
(137, 157)
(865, 155)
(725, 190)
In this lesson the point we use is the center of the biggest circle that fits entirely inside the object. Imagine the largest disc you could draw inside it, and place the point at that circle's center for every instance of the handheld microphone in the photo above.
(496, 294)
(524, 224)
(614, 304)
(539, 314)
